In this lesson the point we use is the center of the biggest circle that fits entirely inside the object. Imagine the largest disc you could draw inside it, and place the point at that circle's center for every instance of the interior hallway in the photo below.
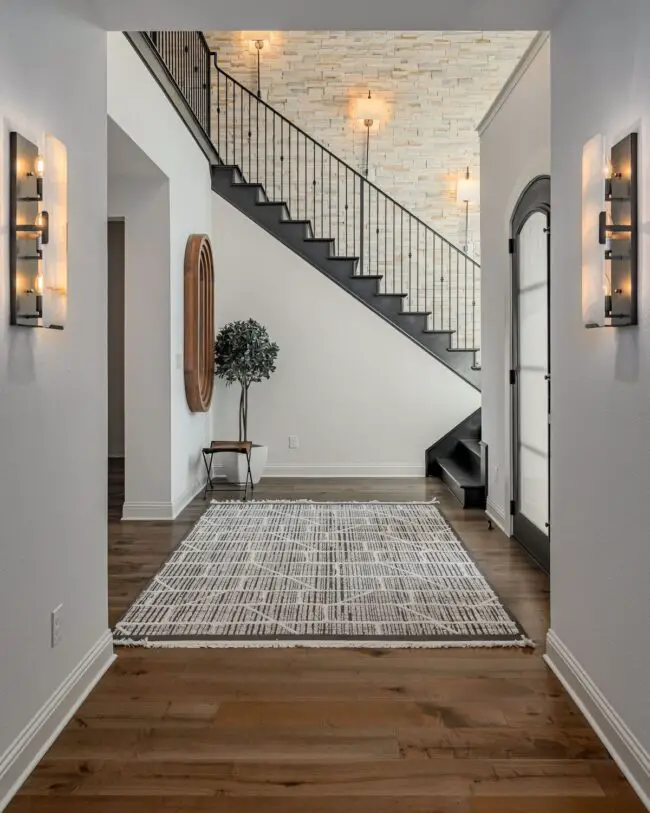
(314, 731)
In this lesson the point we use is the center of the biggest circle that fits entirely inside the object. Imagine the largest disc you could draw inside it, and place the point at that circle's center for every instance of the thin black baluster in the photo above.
(266, 153)
(385, 239)
(250, 146)
(465, 298)
(274, 181)
(410, 257)
(282, 160)
(417, 264)
(330, 194)
(346, 212)
(362, 195)
(474, 305)
(290, 213)
(449, 281)
(377, 231)
(442, 286)
(257, 138)
(401, 253)
(433, 278)
(426, 293)
(234, 123)
(393, 264)
(457, 298)
(306, 186)
(354, 214)
(314, 184)
(322, 193)
(338, 205)
(219, 112)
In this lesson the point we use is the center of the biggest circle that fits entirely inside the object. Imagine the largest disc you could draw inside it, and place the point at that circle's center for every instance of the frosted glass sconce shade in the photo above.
(594, 282)
(369, 109)
(468, 189)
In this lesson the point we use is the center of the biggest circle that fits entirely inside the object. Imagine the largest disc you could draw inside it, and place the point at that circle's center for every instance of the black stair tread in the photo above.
(463, 349)
(416, 313)
(314, 239)
(346, 260)
(460, 475)
(401, 296)
(448, 332)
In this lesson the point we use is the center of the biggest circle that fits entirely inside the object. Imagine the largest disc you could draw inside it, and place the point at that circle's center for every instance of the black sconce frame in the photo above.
(29, 231)
(621, 192)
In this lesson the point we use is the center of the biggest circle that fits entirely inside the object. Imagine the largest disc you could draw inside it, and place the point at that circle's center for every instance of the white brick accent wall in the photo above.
(435, 87)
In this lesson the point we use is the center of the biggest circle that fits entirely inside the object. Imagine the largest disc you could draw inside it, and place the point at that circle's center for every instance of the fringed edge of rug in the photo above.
(521, 643)
(434, 501)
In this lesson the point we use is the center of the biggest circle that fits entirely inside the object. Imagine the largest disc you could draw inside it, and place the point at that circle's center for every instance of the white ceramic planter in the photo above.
(236, 468)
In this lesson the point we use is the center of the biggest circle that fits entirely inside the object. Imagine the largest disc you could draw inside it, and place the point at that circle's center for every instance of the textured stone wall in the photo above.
(435, 87)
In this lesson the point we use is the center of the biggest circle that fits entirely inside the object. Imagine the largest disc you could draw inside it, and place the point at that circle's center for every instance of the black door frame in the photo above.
(535, 198)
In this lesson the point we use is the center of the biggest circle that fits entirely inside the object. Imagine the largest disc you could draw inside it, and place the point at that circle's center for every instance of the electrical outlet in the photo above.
(293, 441)
(56, 628)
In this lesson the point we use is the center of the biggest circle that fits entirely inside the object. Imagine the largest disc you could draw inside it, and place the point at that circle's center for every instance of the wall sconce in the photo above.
(258, 40)
(468, 191)
(369, 111)
(610, 235)
(38, 277)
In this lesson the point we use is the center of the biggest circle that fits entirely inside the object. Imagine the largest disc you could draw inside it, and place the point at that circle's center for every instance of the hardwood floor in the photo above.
(328, 731)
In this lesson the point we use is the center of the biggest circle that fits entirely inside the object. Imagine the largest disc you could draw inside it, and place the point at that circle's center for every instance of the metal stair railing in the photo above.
(316, 185)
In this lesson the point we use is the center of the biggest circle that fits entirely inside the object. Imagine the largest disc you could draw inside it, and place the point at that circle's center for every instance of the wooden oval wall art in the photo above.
(199, 323)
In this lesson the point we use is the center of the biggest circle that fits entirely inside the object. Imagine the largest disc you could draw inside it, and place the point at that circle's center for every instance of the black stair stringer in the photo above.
(251, 200)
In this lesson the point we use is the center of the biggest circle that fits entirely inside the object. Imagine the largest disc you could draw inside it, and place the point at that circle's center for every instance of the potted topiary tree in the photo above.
(244, 355)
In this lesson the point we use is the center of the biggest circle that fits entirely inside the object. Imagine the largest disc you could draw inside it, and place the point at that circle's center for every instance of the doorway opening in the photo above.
(531, 373)
(115, 350)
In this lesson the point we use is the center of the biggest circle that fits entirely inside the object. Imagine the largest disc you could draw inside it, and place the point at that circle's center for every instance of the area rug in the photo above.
(289, 573)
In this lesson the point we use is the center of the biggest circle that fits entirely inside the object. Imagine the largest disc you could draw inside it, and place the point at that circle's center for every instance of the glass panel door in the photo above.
(531, 379)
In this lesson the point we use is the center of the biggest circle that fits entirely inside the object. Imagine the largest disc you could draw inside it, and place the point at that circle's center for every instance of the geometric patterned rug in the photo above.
(298, 573)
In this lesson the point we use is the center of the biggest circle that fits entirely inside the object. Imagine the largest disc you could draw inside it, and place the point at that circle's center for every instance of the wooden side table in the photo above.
(235, 446)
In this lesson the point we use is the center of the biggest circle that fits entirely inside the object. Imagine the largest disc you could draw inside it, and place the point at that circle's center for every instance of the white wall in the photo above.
(600, 444)
(515, 148)
(362, 398)
(53, 442)
(163, 137)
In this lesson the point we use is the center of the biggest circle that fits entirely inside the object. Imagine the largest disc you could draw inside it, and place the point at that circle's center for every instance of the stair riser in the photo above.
(468, 459)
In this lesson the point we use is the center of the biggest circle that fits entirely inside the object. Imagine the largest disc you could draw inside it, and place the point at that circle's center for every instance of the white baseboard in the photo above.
(497, 516)
(631, 757)
(22, 756)
(376, 471)
(156, 511)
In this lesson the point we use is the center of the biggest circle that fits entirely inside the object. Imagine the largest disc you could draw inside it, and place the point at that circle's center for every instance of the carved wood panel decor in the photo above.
(199, 322)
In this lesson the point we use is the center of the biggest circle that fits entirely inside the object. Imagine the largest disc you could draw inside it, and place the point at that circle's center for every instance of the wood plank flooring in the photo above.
(328, 731)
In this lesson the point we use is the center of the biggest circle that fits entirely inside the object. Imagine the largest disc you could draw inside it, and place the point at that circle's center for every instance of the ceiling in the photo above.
(292, 15)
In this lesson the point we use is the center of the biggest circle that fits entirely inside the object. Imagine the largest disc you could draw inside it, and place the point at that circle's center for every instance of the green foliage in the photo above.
(244, 354)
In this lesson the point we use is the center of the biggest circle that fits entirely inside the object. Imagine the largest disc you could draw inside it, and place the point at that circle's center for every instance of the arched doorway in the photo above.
(530, 376)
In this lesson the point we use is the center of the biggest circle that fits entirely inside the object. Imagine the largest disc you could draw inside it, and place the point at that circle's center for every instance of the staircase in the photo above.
(333, 217)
